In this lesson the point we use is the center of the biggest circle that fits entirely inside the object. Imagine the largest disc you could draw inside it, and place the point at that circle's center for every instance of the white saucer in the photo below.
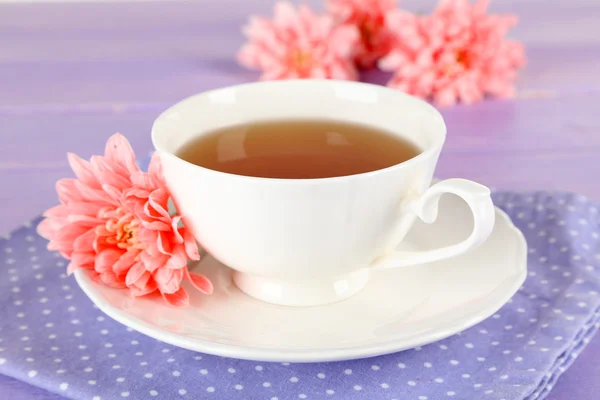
(398, 310)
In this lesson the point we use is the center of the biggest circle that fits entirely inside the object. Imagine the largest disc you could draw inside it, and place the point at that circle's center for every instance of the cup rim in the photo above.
(423, 155)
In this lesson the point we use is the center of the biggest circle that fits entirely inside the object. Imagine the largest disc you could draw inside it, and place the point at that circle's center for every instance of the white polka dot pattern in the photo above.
(60, 342)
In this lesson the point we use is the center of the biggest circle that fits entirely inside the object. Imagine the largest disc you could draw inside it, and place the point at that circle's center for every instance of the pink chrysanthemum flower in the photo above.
(113, 220)
(458, 53)
(369, 18)
(299, 44)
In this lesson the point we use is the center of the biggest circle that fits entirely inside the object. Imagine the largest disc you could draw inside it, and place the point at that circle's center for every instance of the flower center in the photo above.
(123, 231)
(462, 57)
(460, 63)
(302, 60)
(367, 30)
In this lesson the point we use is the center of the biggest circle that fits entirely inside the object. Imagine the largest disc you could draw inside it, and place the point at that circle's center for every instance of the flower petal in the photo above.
(143, 180)
(112, 280)
(179, 298)
(162, 243)
(45, 228)
(94, 276)
(135, 273)
(168, 280)
(159, 201)
(200, 282)
(71, 268)
(93, 195)
(155, 226)
(118, 151)
(68, 192)
(85, 242)
(58, 211)
(62, 211)
(152, 262)
(145, 285)
(191, 248)
(113, 175)
(155, 169)
(106, 260)
(125, 262)
(69, 232)
(83, 260)
(178, 238)
(137, 192)
(84, 220)
(83, 170)
(65, 247)
(177, 260)
(112, 191)
(147, 236)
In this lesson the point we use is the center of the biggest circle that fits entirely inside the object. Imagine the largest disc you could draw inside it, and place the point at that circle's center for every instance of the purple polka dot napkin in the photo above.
(51, 335)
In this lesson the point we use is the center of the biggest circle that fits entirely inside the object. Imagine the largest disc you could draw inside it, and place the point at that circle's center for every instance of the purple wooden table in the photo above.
(73, 74)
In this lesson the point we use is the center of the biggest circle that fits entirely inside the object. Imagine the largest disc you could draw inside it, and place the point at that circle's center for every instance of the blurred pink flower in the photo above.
(369, 18)
(459, 53)
(299, 44)
(113, 220)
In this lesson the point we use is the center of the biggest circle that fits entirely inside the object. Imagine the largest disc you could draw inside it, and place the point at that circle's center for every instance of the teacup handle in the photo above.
(426, 207)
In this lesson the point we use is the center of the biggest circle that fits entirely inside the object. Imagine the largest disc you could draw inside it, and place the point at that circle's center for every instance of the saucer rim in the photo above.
(307, 355)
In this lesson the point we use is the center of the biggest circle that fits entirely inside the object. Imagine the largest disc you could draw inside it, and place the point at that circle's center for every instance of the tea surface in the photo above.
(297, 149)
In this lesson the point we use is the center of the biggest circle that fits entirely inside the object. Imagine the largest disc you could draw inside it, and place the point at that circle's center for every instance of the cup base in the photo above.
(301, 293)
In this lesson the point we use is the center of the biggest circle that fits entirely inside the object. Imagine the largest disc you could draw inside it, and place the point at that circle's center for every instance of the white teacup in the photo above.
(306, 242)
